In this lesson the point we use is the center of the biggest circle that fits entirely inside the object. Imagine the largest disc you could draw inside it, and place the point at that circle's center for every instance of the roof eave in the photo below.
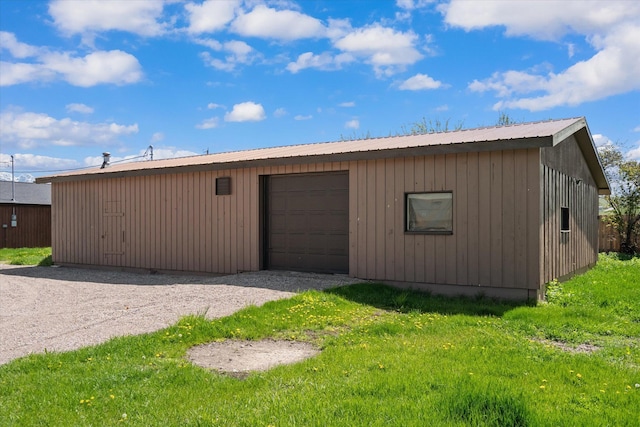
(474, 146)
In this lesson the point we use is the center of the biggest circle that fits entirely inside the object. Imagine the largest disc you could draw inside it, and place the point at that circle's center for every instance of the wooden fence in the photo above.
(608, 239)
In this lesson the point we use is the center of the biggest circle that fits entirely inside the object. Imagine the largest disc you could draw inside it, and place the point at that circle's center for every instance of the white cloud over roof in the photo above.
(29, 130)
(245, 112)
(420, 82)
(612, 28)
(99, 67)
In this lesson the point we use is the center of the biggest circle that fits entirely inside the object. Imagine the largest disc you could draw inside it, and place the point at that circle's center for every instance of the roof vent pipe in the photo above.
(105, 162)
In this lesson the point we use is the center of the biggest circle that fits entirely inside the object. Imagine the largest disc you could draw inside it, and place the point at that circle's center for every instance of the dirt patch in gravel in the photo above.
(60, 309)
(238, 358)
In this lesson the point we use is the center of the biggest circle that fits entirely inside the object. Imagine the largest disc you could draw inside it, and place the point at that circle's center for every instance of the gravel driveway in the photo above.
(59, 309)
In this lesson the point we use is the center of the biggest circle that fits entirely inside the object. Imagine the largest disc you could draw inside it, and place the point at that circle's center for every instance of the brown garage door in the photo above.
(308, 222)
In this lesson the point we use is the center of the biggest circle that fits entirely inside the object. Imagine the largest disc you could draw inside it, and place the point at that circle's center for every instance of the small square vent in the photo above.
(223, 186)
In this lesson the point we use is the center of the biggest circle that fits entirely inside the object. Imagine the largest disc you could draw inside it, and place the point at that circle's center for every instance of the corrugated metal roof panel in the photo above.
(496, 133)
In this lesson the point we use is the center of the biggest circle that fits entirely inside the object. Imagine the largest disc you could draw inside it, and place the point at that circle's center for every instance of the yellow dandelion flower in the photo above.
(543, 387)
(112, 396)
(579, 375)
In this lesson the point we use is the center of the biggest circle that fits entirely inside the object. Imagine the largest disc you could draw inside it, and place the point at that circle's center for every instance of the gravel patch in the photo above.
(60, 309)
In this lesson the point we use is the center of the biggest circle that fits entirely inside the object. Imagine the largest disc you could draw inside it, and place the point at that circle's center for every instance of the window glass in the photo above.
(564, 219)
(430, 212)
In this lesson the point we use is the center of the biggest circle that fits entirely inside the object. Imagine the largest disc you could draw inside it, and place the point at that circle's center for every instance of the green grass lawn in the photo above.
(26, 256)
(388, 357)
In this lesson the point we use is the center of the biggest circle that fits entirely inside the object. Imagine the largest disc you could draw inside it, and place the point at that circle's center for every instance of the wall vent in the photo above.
(223, 186)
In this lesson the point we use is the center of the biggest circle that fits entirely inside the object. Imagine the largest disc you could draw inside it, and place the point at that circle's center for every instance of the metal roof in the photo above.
(25, 193)
(524, 135)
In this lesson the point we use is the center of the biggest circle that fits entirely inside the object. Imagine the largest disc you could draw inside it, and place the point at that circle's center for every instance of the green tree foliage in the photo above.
(425, 126)
(624, 178)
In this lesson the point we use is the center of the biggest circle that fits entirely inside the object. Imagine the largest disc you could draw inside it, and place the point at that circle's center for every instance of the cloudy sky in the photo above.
(78, 78)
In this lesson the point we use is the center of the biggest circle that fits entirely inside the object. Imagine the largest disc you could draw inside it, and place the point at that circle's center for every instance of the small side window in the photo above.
(564, 219)
(429, 213)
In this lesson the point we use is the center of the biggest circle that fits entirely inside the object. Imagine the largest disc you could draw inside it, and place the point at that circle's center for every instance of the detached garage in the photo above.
(498, 210)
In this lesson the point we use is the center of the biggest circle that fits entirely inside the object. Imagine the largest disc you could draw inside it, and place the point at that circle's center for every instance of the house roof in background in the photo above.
(25, 193)
(517, 136)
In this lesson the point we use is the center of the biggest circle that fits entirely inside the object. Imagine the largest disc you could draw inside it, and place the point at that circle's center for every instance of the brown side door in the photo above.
(307, 222)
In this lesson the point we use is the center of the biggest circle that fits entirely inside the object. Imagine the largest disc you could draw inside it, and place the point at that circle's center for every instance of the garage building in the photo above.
(498, 210)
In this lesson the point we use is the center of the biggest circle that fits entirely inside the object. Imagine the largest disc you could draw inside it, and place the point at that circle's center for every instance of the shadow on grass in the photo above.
(389, 298)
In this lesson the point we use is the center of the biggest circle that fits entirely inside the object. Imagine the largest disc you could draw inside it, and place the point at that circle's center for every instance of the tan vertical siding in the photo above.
(176, 222)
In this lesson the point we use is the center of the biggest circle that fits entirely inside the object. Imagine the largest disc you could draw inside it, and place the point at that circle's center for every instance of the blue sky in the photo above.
(78, 78)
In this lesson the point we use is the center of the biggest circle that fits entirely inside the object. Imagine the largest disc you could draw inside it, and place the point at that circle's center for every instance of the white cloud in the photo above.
(79, 108)
(213, 106)
(412, 4)
(245, 112)
(211, 15)
(35, 163)
(420, 82)
(238, 51)
(29, 130)
(17, 49)
(636, 129)
(601, 140)
(612, 28)
(284, 25)
(387, 50)
(443, 107)
(157, 137)
(280, 112)
(352, 124)
(347, 104)
(208, 123)
(324, 61)
(100, 67)
(300, 117)
(88, 16)
(634, 154)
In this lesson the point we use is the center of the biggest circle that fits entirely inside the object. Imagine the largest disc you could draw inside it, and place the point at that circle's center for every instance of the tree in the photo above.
(624, 179)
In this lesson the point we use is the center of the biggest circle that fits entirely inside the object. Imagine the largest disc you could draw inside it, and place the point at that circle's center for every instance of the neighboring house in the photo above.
(25, 215)
(499, 211)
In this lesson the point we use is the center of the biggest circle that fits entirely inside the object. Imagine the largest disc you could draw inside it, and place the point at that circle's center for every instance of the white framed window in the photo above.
(429, 212)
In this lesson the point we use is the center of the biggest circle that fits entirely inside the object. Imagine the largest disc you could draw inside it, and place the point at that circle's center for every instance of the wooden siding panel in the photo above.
(398, 219)
(473, 227)
(508, 219)
(430, 239)
(361, 185)
(390, 205)
(496, 218)
(353, 220)
(520, 218)
(380, 226)
(484, 218)
(419, 239)
(461, 220)
(451, 254)
(533, 223)
(409, 239)
(370, 215)
(33, 226)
